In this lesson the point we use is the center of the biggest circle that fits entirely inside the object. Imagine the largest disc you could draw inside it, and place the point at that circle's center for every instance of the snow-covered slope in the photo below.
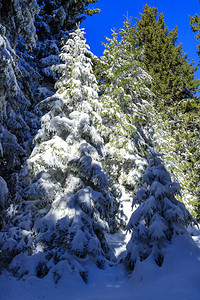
(178, 278)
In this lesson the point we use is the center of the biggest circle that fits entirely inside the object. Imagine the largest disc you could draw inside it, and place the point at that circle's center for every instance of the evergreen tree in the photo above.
(91, 153)
(15, 133)
(53, 24)
(58, 17)
(64, 204)
(126, 127)
(165, 61)
(8, 81)
(178, 139)
(174, 85)
(18, 17)
(159, 217)
(195, 25)
(26, 76)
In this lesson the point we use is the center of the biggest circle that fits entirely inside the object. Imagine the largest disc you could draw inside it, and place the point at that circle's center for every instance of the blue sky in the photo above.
(113, 12)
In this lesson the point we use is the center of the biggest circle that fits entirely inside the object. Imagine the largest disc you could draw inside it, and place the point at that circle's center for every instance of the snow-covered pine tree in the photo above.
(158, 218)
(8, 81)
(18, 17)
(179, 144)
(175, 89)
(126, 117)
(53, 23)
(15, 133)
(59, 16)
(17, 21)
(65, 205)
(25, 77)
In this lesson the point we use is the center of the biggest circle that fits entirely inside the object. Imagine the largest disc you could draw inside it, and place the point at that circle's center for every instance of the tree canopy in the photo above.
(165, 61)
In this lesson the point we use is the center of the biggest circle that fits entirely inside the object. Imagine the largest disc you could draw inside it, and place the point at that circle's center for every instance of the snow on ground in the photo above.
(178, 278)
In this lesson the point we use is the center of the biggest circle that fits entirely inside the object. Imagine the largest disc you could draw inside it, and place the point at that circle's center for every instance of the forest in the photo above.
(99, 156)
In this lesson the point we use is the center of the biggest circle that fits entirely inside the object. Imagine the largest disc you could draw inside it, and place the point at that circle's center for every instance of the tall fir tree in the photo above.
(178, 140)
(193, 117)
(195, 25)
(126, 127)
(174, 90)
(16, 122)
(26, 75)
(165, 61)
(64, 205)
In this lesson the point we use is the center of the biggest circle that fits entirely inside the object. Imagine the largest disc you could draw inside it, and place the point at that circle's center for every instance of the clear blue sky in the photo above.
(113, 12)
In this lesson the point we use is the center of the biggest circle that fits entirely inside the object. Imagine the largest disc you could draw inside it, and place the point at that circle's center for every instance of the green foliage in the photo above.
(90, 12)
(120, 64)
(122, 76)
(178, 140)
(165, 61)
(195, 25)
(188, 144)
(125, 115)
(174, 89)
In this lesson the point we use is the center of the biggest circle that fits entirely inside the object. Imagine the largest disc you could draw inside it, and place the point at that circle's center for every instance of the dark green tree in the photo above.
(195, 25)
(165, 61)
(174, 88)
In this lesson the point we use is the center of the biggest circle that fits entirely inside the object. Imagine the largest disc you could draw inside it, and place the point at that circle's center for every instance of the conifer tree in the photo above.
(64, 204)
(26, 77)
(18, 17)
(165, 61)
(53, 24)
(126, 127)
(178, 139)
(174, 86)
(59, 17)
(15, 133)
(159, 217)
(195, 25)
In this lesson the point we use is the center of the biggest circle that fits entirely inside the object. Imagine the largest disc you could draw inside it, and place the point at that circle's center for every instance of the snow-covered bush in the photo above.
(158, 218)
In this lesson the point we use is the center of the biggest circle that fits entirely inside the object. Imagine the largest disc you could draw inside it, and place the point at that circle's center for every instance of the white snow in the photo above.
(178, 278)
(3, 192)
